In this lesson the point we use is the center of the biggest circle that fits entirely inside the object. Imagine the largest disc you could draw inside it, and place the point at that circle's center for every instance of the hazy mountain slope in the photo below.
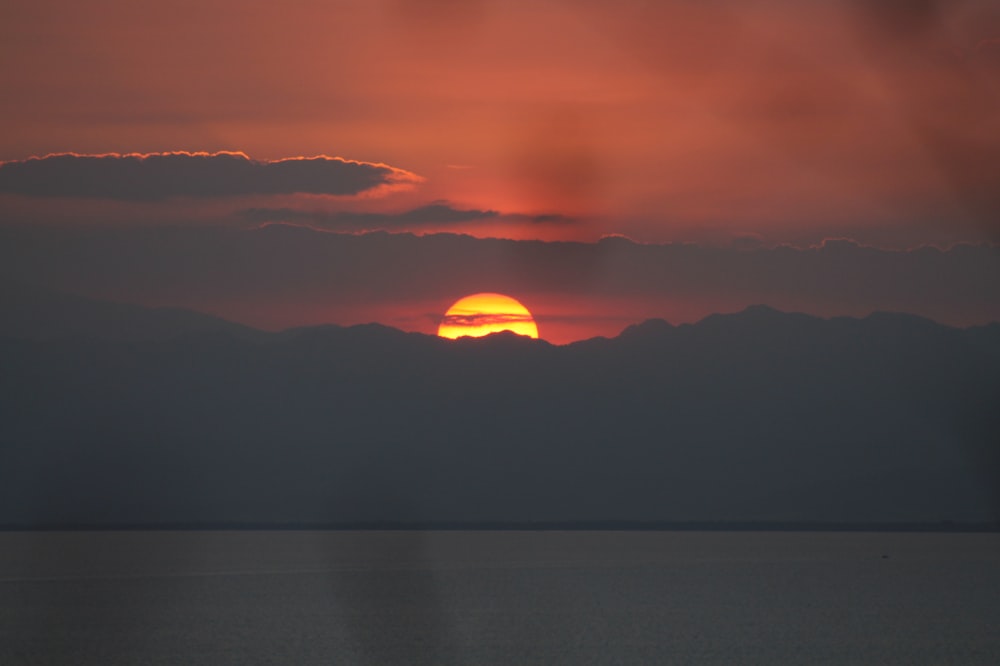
(757, 416)
(36, 313)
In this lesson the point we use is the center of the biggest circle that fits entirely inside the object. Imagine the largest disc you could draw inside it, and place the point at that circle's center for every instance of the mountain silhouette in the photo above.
(758, 416)
(37, 313)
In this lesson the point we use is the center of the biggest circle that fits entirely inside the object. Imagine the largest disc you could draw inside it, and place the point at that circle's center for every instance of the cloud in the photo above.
(158, 176)
(552, 218)
(477, 319)
(437, 214)
(933, 62)
(282, 275)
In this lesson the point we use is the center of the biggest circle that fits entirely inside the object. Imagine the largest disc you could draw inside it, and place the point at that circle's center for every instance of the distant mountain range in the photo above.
(36, 313)
(121, 415)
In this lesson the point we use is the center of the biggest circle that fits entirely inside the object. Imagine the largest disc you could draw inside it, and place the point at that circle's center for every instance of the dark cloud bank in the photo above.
(159, 176)
(758, 416)
(434, 214)
(294, 265)
(438, 214)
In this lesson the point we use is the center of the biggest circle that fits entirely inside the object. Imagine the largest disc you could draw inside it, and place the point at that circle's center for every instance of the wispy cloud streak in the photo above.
(484, 319)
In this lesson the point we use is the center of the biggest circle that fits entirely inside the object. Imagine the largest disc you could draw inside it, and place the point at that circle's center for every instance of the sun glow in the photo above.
(481, 314)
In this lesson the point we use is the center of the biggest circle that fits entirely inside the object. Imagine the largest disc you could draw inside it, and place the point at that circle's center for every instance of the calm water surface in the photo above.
(478, 598)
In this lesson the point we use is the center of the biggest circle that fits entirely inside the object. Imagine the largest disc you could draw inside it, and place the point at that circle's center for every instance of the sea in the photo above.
(498, 597)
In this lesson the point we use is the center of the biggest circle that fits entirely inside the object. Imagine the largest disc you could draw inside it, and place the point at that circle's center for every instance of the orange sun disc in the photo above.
(481, 314)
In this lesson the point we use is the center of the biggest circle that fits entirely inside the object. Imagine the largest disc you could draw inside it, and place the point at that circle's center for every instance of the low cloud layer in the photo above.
(158, 176)
(434, 214)
(280, 276)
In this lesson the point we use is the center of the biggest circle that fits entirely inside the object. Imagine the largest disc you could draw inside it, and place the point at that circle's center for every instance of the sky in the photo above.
(733, 126)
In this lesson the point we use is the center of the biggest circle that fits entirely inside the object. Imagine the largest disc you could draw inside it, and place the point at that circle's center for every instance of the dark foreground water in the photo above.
(499, 598)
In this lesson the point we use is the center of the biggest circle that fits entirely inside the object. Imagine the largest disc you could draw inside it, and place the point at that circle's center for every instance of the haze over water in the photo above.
(409, 597)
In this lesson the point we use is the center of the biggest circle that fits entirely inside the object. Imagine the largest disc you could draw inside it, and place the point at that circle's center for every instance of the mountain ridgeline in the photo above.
(754, 417)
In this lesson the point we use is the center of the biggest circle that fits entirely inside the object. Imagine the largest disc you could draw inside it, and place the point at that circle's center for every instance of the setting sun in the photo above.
(481, 314)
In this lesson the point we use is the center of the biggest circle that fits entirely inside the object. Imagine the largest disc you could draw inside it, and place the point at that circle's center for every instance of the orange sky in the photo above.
(664, 121)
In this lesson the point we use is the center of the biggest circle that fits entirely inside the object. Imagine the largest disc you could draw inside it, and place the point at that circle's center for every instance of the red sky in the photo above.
(714, 122)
